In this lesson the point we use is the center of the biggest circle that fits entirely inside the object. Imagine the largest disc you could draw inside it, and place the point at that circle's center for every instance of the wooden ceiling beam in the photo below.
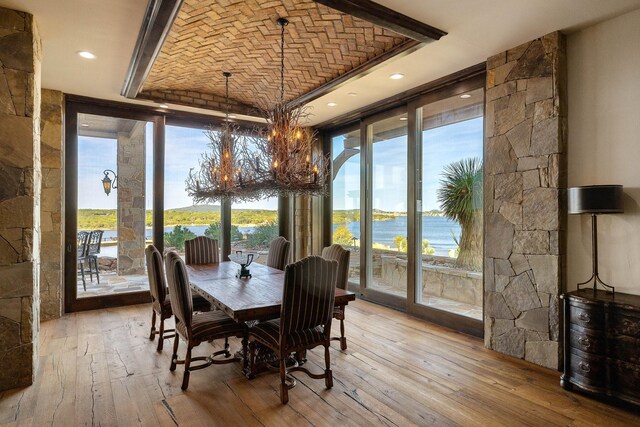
(158, 19)
(387, 18)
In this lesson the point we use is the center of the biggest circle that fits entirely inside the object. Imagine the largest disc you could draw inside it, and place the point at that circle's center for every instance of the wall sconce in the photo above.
(107, 183)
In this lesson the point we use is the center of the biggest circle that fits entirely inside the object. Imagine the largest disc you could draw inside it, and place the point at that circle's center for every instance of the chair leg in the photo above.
(343, 339)
(284, 390)
(174, 356)
(84, 282)
(95, 263)
(161, 335)
(328, 380)
(152, 334)
(187, 363)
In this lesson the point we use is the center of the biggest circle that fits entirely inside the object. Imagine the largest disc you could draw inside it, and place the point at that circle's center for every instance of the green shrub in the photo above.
(177, 236)
(213, 232)
(262, 235)
(342, 236)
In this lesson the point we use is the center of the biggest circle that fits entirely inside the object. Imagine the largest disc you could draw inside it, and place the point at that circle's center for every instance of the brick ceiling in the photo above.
(241, 36)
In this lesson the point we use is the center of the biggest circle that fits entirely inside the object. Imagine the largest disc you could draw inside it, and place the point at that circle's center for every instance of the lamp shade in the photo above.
(595, 199)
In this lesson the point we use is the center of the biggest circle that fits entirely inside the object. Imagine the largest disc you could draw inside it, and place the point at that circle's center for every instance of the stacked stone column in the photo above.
(20, 179)
(525, 175)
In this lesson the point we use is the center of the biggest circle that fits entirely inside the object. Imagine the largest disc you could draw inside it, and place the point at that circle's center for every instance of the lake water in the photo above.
(438, 230)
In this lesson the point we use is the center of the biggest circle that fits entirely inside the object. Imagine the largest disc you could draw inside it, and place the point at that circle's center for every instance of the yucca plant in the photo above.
(460, 198)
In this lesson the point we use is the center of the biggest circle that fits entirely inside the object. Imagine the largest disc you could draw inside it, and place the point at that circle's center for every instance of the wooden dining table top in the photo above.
(255, 298)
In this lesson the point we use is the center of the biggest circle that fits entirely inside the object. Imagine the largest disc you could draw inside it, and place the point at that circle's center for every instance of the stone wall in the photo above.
(51, 258)
(525, 176)
(20, 56)
(131, 200)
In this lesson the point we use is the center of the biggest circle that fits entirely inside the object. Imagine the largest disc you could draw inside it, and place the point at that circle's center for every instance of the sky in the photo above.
(185, 146)
(183, 150)
(441, 146)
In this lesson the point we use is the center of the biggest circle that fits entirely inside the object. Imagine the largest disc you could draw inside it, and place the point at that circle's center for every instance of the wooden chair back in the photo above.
(308, 295)
(201, 250)
(342, 256)
(155, 272)
(179, 289)
(278, 253)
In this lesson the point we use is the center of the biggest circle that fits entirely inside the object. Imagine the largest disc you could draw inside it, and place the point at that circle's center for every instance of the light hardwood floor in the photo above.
(99, 368)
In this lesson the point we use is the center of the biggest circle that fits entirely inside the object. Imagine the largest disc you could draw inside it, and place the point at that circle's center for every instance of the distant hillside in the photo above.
(197, 208)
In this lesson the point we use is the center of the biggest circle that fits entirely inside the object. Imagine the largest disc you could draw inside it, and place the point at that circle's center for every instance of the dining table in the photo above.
(248, 300)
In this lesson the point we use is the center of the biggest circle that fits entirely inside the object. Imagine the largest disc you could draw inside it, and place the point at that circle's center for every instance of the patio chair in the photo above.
(81, 246)
(201, 250)
(194, 328)
(342, 256)
(278, 253)
(93, 249)
(302, 326)
(160, 301)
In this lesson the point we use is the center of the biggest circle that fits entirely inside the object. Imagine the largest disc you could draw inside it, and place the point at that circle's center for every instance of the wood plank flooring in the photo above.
(99, 368)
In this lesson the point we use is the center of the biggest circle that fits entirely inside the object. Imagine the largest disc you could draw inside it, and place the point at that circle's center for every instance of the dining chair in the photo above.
(81, 247)
(160, 300)
(342, 256)
(201, 250)
(305, 319)
(194, 328)
(278, 253)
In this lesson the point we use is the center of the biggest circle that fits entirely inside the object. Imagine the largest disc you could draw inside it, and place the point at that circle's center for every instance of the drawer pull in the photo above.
(584, 317)
(584, 342)
(584, 366)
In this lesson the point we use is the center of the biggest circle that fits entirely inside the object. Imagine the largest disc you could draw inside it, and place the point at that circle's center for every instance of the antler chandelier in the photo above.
(284, 161)
(220, 175)
(287, 163)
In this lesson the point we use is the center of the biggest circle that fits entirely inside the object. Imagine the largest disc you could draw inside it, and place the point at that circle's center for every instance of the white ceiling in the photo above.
(477, 29)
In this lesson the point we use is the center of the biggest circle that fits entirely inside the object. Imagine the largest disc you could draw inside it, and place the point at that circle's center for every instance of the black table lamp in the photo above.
(594, 200)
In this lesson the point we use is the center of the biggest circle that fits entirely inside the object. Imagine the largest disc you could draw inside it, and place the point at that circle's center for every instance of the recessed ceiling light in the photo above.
(403, 118)
(396, 76)
(85, 125)
(163, 106)
(86, 54)
(352, 94)
(331, 104)
(465, 96)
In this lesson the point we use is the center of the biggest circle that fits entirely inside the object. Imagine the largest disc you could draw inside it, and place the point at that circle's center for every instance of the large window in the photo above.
(451, 220)
(114, 227)
(387, 215)
(407, 201)
(182, 219)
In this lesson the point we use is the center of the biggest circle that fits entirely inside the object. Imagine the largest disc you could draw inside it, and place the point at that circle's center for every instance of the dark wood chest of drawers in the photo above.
(602, 344)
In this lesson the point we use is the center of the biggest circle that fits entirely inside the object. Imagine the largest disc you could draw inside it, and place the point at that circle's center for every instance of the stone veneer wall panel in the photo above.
(525, 179)
(20, 57)
(51, 258)
(131, 200)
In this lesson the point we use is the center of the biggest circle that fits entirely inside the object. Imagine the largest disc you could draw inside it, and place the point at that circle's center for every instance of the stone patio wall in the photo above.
(51, 208)
(20, 57)
(525, 179)
(131, 200)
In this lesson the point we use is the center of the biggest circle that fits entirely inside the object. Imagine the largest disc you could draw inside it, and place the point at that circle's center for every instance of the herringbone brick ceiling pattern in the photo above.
(241, 36)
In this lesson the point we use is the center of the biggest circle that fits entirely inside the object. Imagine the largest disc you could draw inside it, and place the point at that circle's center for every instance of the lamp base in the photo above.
(596, 279)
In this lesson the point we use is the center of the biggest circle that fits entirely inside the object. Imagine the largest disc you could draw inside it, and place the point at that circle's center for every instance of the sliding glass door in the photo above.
(450, 224)
(109, 197)
(386, 209)
(407, 202)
